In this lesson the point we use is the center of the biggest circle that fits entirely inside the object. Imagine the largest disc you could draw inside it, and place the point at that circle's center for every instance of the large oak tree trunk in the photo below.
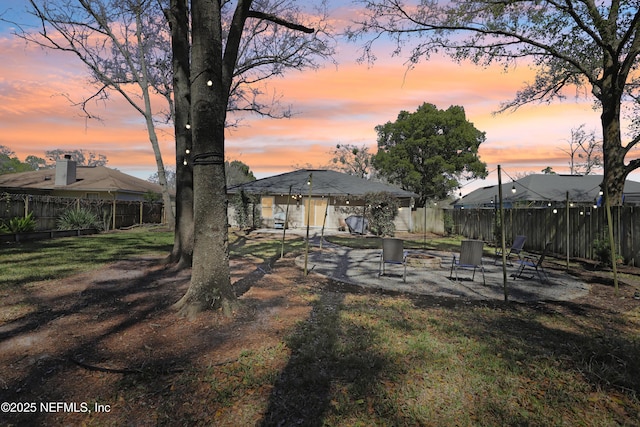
(178, 17)
(615, 172)
(210, 277)
(213, 61)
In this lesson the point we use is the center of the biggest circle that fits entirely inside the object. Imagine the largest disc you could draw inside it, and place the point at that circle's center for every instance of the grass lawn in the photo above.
(404, 361)
(22, 263)
(366, 358)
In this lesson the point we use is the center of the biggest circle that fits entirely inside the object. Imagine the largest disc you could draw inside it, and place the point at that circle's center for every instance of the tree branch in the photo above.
(279, 21)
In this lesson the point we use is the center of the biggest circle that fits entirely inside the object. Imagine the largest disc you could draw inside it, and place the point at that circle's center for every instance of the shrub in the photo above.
(449, 224)
(245, 209)
(383, 209)
(602, 252)
(78, 218)
(19, 224)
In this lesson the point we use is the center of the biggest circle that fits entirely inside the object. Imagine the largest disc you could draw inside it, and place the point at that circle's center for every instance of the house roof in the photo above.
(582, 189)
(324, 183)
(94, 178)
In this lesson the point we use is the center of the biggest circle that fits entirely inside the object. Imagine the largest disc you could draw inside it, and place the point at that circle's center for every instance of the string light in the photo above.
(209, 83)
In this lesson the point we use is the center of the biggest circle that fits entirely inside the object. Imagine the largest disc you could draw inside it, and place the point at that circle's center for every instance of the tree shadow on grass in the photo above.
(95, 333)
(555, 348)
(330, 356)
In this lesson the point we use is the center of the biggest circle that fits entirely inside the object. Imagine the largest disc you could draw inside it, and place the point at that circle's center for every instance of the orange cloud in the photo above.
(344, 106)
(332, 105)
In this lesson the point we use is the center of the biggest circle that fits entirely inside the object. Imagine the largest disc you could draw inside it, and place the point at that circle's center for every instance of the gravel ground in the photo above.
(361, 267)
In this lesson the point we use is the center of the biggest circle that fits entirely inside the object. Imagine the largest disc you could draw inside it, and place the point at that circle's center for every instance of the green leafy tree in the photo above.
(590, 47)
(6, 151)
(9, 163)
(237, 173)
(429, 151)
(548, 171)
(36, 163)
(12, 165)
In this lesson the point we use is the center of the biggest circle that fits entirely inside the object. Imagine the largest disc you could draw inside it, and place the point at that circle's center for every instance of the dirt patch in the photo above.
(74, 339)
(85, 339)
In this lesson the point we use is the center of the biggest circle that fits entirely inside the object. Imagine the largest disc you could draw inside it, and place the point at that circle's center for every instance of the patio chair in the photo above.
(470, 257)
(532, 262)
(516, 249)
(393, 253)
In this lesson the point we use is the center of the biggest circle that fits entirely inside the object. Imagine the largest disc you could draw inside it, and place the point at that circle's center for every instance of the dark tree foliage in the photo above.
(429, 151)
(238, 172)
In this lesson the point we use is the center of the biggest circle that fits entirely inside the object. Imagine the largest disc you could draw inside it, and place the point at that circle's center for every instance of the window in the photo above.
(267, 207)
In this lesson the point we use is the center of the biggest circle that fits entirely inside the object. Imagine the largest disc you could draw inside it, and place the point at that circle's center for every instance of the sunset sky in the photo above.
(334, 105)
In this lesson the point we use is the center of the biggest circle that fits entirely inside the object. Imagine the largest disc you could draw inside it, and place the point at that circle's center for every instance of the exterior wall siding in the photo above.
(336, 211)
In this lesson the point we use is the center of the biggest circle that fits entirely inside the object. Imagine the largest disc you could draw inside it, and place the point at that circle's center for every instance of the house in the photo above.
(121, 200)
(325, 197)
(543, 190)
(84, 182)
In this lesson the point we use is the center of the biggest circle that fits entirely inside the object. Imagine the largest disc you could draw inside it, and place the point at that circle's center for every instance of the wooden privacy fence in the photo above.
(427, 220)
(47, 209)
(576, 229)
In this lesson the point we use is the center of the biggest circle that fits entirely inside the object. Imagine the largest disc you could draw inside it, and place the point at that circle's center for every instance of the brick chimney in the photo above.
(65, 171)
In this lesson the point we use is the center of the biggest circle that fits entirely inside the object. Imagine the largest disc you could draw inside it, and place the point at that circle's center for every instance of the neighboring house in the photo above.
(119, 199)
(85, 182)
(543, 190)
(335, 194)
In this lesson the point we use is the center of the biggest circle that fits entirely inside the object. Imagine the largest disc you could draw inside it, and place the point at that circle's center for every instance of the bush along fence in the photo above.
(583, 230)
(53, 213)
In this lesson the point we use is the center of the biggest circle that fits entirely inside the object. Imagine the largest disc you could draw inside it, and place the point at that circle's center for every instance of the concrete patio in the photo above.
(361, 267)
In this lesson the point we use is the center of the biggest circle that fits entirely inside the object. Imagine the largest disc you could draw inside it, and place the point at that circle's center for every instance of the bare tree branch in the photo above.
(279, 21)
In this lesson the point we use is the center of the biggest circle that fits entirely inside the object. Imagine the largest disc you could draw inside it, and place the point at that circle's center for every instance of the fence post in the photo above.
(113, 227)
(568, 230)
(502, 241)
(141, 210)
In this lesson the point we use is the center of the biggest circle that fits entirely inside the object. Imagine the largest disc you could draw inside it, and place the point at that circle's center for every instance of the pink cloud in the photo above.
(332, 105)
